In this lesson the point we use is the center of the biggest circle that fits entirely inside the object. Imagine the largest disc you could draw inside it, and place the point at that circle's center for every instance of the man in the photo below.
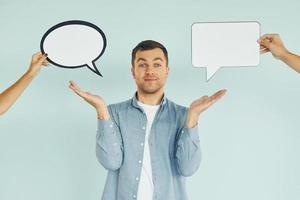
(148, 144)
(272, 43)
(11, 94)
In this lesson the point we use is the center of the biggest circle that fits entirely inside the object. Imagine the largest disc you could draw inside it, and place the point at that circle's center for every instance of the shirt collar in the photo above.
(135, 104)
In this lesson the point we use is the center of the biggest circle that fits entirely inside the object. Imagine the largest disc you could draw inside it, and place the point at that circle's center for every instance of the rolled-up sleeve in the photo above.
(109, 147)
(188, 152)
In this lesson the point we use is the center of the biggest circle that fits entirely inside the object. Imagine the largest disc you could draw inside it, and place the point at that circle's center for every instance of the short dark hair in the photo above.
(148, 45)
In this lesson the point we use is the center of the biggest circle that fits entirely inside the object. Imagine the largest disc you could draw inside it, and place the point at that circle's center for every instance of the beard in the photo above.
(150, 88)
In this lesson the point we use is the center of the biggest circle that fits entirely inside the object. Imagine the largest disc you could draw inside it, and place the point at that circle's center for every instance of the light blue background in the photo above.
(250, 139)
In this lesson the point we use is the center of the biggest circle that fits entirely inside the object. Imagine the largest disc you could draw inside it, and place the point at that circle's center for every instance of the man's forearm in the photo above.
(188, 153)
(11, 94)
(109, 145)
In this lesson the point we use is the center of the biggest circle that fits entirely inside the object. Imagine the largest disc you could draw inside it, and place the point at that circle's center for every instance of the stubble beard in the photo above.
(150, 90)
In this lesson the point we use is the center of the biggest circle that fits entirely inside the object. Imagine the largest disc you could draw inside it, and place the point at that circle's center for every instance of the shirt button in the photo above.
(142, 144)
(140, 161)
(182, 131)
(134, 196)
(137, 178)
(111, 126)
(144, 127)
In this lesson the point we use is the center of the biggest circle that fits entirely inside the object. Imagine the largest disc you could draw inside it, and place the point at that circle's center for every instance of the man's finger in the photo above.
(217, 96)
(201, 100)
(74, 85)
(78, 92)
(220, 93)
(77, 89)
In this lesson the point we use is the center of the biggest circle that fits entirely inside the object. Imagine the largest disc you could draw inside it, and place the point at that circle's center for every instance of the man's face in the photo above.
(150, 70)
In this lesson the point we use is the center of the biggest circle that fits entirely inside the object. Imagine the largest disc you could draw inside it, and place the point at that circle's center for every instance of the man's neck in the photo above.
(150, 99)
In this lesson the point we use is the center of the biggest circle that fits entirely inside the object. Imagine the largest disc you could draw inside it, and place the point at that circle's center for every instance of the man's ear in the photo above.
(132, 72)
(168, 70)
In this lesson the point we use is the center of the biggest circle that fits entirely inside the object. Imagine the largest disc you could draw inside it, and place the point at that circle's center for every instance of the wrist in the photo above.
(31, 73)
(191, 120)
(285, 55)
(102, 114)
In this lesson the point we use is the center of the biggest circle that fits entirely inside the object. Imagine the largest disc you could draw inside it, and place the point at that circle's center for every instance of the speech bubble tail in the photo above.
(210, 71)
(93, 68)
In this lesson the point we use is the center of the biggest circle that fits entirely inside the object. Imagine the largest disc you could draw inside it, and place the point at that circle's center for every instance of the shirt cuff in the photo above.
(105, 126)
(193, 132)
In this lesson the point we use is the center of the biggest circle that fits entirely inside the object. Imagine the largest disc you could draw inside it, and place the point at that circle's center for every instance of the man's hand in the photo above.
(272, 43)
(37, 60)
(96, 101)
(200, 105)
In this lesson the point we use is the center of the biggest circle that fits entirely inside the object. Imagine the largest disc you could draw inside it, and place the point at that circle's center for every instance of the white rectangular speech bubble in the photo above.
(225, 44)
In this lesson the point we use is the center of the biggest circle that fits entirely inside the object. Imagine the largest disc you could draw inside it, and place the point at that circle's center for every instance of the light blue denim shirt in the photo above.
(174, 150)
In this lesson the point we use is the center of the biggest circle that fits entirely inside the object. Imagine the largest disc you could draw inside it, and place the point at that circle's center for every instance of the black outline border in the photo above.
(71, 22)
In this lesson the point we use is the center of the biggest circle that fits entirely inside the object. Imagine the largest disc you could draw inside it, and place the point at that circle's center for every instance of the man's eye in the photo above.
(141, 65)
(157, 65)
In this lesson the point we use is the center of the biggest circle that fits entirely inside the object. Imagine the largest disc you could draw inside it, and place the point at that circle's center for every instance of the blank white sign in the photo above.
(225, 44)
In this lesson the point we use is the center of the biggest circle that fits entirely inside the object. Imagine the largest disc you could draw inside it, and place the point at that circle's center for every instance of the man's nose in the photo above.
(149, 70)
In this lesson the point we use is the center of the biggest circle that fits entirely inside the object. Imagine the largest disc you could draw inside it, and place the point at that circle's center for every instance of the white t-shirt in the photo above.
(145, 189)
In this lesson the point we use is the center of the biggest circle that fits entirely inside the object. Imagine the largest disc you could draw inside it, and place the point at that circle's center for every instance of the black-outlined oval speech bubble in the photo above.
(73, 44)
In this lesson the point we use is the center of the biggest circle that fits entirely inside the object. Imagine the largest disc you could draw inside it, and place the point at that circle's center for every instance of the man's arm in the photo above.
(188, 154)
(11, 94)
(273, 43)
(109, 145)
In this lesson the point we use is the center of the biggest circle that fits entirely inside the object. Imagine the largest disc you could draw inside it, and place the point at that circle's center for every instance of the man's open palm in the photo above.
(95, 100)
(201, 104)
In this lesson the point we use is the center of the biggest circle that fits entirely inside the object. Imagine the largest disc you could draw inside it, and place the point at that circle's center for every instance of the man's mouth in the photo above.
(150, 79)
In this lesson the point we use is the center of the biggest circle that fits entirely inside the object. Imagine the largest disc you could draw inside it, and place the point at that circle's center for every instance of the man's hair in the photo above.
(148, 45)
